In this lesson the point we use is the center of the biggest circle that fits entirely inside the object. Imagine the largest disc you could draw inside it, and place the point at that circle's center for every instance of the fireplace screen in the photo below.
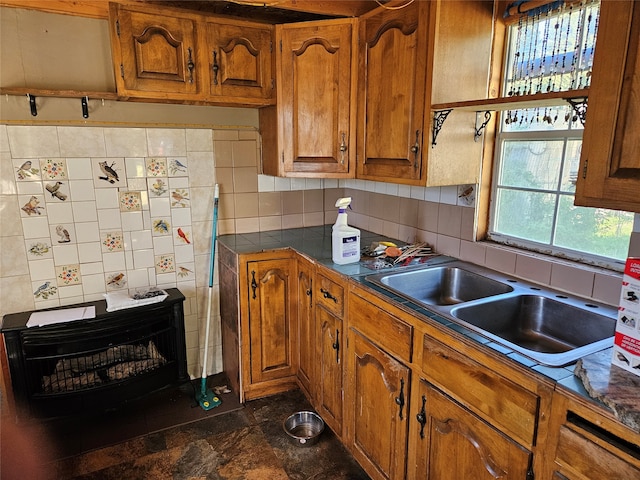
(115, 363)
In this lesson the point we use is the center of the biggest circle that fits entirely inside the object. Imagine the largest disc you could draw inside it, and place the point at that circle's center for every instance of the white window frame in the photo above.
(571, 133)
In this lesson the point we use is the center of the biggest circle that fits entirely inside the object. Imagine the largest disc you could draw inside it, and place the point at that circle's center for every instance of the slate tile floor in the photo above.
(237, 442)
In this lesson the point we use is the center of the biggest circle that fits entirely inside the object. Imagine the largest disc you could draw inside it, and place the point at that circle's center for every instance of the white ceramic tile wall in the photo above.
(83, 210)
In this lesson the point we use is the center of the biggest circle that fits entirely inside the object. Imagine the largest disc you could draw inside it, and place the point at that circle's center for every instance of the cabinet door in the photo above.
(378, 399)
(316, 91)
(157, 53)
(609, 174)
(392, 90)
(452, 443)
(272, 303)
(240, 61)
(307, 358)
(330, 363)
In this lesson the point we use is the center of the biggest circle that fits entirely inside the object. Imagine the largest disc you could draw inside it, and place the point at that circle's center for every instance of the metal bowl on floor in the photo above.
(304, 428)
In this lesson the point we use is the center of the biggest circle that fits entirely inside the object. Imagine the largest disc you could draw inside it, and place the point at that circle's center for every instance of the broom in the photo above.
(206, 398)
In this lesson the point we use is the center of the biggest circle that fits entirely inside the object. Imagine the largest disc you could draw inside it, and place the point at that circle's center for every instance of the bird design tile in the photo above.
(32, 206)
(62, 233)
(183, 236)
(27, 171)
(115, 281)
(53, 168)
(57, 191)
(109, 172)
(161, 226)
(180, 198)
(158, 187)
(178, 167)
(40, 248)
(184, 272)
(42, 291)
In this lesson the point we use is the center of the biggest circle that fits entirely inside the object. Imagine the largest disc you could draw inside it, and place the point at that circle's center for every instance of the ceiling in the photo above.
(276, 11)
(267, 11)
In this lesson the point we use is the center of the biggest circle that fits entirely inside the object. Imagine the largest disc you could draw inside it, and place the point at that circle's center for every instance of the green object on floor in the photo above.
(206, 398)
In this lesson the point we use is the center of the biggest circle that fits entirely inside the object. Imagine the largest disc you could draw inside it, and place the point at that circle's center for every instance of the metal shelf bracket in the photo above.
(439, 116)
(32, 104)
(579, 106)
(478, 134)
(84, 101)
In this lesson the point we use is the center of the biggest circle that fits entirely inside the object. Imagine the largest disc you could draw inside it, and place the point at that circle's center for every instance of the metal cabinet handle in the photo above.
(343, 148)
(415, 149)
(215, 67)
(254, 284)
(400, 397)
(336, 346)
(421, 417)
(327, 294)
(190, 65)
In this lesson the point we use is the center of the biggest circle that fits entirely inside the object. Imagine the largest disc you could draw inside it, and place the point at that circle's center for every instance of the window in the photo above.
(538, 149)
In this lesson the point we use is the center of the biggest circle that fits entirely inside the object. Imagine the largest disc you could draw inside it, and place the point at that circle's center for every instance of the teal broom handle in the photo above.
(216, 194)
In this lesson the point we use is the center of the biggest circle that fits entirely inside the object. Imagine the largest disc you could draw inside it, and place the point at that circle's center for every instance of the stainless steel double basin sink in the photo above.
(548, 326)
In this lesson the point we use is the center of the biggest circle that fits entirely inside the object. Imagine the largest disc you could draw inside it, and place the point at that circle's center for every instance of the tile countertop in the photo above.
(315, 242)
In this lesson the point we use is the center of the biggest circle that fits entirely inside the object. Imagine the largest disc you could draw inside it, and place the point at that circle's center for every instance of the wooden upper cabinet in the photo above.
(609, 174)
(391, 94)
(311, 132)
(174, 55)
(459, 71)
(240, 60)
(155, 55)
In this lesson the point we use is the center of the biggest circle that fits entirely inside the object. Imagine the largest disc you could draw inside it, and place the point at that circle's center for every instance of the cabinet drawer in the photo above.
(330, 295)
(509, 406)
(578, 454)
(387, 331)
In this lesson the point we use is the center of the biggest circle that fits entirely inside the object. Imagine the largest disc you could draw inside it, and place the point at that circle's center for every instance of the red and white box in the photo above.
(626, 348)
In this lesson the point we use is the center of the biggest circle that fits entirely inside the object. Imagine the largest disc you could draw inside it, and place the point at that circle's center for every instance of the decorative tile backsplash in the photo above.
(101, 215)
(48, 197)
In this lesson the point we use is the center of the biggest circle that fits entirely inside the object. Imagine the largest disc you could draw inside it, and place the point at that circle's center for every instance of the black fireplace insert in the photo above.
(95, 364)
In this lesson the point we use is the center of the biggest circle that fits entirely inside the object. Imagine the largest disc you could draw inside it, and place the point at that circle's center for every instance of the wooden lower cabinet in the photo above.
(449, 442)
(407, 398)
(329, 387)
(269, 329)
(307, 358)
(585, 445)
(330, 310)
(377, 400)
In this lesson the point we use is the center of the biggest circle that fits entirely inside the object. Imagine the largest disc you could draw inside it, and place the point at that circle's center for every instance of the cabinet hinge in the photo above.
(122, 70)
(584, 168)
(271, 46)
(118, 27)
(282, 157)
